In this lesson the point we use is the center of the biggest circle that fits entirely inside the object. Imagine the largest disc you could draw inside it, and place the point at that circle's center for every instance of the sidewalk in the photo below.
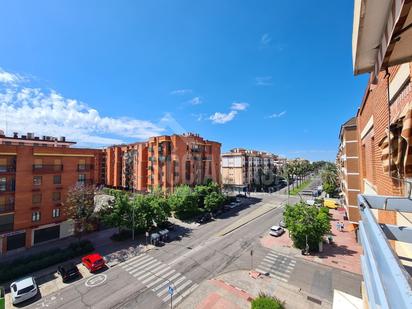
(343, 253)
(236, 290)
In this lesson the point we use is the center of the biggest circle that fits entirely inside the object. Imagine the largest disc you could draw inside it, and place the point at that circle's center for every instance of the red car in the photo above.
(93, 262)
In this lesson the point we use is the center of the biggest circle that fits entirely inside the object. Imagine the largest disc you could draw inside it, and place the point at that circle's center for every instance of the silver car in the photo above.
(23, 289)
(276, 230)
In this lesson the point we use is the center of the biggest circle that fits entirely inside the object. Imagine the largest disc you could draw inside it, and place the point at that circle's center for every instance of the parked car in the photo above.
(226, 207)
(68, 271)
(276, 230)
(240, 195)
(330, 204)
(23, 289)
(205, 218)
(282, 223)
(93, 262)
(167, 225)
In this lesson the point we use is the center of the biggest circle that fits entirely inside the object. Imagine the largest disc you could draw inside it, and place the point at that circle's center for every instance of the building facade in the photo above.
(163, 162)
(348, 168)
(381, 46)
(35, 175)
(244, 169)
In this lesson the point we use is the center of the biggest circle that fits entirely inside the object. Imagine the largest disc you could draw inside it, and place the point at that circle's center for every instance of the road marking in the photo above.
(154, 273)
(178, 289)
(137, 263)
(185, 293)
(138, 271)
(160, 278)
(165, 282)
(95, 280)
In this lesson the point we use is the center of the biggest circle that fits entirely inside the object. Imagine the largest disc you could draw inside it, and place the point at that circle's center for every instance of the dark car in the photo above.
(205, 218)
(68, 271)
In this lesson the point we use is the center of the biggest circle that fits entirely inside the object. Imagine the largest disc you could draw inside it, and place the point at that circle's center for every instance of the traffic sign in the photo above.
(170, 291)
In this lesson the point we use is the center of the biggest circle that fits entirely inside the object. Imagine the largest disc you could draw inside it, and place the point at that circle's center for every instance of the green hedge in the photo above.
(264, 301)
(25, 265)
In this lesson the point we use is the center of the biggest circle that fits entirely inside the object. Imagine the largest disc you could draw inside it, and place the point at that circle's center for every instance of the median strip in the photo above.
(262, 210)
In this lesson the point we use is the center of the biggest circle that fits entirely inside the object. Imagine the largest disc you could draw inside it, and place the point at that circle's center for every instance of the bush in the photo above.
(25, 265)
(264, 301)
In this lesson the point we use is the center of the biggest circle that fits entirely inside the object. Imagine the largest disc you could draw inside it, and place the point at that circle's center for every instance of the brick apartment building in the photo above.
(163, 162)
(348, 168)
(243, 169)
(35, 174)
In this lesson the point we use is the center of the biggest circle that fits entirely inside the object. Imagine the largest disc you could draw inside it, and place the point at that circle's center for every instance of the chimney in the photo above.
(15, 135)
(30, 135)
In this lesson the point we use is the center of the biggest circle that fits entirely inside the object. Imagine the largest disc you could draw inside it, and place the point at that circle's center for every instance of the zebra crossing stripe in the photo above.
(179, 289)
(134, 258)
(138, 263)
(154, 273)
(165, 283)
(143, 268)
(160, 279)
(270, 259)
(185, 293)
(173, 284)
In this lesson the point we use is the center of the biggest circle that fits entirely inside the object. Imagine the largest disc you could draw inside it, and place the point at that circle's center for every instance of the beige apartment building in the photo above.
(348, 168)
(247, 170)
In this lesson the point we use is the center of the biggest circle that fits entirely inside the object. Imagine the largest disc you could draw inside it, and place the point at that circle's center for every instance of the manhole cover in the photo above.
(314, 300)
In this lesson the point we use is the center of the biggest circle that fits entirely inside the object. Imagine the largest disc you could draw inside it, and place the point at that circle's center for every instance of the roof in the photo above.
(351, 123)
(24, 283)
(381, 35)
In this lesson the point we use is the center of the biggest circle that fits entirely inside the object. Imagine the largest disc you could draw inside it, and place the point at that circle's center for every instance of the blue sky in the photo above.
(268, 75)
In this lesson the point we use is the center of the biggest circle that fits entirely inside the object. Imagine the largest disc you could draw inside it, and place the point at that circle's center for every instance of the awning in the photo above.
(382, 35)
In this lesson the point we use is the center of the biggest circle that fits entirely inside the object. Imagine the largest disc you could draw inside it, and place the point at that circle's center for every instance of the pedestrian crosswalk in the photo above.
(158, 277)
(277, 266)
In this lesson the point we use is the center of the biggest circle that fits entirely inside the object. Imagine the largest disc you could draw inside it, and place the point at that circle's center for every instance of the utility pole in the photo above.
(251, 259)
(133, 222)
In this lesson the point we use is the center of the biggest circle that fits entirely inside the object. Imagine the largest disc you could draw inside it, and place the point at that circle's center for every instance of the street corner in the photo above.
(272, 242)
(216, 293)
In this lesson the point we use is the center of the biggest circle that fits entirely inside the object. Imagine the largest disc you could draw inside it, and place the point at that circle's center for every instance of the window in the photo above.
(3, 183)
(57, 164)
(36, 198)
(38, 163)
(82, 178)
(37, 180)
(82, 165)
(35, 216)
(56, 213)
(56, 196)
(188, 165)
(57, 179)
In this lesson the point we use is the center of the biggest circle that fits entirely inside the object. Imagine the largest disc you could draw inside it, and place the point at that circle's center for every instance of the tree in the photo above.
(159, 207)
(79, 206)
(213, 201)
(184, 202)
(306, 222)
(120, 214)
(329, 177)
(264, 301)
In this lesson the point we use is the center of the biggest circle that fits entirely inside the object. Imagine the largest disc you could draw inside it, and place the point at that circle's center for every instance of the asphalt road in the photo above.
(200, 254)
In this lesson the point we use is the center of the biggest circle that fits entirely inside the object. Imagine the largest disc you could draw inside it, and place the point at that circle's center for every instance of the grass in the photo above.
(299, 188)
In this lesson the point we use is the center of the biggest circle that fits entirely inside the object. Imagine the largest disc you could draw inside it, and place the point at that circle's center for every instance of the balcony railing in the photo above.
(8, 187)
(85, 182)
(85, 167)
(50, 168)
(386, 279)
(7, 169)
(7, 207)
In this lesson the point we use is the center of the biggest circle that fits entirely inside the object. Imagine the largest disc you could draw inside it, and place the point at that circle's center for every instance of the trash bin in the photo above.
(154, 239)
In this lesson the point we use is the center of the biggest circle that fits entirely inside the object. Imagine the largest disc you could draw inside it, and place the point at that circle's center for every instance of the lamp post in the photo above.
(132, 222)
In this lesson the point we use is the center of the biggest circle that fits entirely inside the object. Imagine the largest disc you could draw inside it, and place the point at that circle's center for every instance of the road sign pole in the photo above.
(171, 301)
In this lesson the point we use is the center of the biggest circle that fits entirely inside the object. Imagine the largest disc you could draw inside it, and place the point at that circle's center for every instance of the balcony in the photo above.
(7, 169)
(85, 167)
(8, 187)
(387, 250)
(85, 182)
(51, 168)
(7, 207)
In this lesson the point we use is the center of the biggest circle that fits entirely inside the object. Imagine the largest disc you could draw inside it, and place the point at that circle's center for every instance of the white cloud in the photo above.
(239, 106)
(181, 91)
(265, 39)
(196, 101)
(9, 78)
(26, 109)
(263, 80)
(222, 117)
(278, 115)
